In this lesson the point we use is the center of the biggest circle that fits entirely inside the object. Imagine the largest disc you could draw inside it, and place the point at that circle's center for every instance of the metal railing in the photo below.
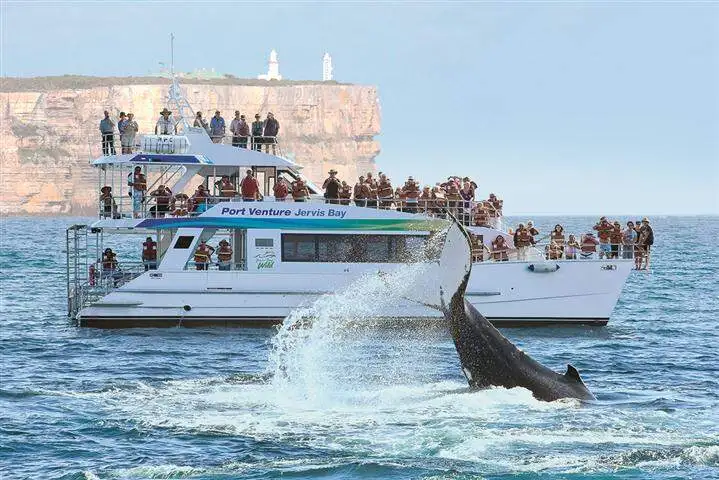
(237, 265)
(101, 145)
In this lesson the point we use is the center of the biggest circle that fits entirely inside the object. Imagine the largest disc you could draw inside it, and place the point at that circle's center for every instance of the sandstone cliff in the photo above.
(49, 129)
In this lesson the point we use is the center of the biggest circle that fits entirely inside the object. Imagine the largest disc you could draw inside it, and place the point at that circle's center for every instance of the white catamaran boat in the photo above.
(284, 254)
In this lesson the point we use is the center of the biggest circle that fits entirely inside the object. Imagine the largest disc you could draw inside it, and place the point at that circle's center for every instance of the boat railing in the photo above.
(101, 145)
(104, 279)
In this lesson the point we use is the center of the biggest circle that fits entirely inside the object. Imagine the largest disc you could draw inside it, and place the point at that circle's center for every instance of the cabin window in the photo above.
(263, 242)
(327, 248)
(184, 241)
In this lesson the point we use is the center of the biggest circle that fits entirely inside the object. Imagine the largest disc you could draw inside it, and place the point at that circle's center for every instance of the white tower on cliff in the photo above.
(273, 70)
(326, 67)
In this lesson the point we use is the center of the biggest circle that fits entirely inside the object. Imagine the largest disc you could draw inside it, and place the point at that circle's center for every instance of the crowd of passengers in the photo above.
(611, 241)
(258, 133)
(634, 241)
(455, 194)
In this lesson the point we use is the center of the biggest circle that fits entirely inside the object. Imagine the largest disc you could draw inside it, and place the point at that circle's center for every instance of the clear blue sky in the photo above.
(557, 107)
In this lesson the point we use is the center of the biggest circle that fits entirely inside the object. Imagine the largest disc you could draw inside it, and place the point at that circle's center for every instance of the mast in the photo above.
(175, 99)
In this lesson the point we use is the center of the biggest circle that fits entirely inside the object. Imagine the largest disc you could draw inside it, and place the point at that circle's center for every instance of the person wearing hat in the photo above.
(615, 240)
(107, 129)
(224, 255)
(127, 137)
(258, 127)
(201, 122)
(645, 242)
(240, 130)
(166, 124)
(149, 254)
(217, 127)
(331, 186)
(410, 194)
(272, 128)
(107, 203)
(110, 266)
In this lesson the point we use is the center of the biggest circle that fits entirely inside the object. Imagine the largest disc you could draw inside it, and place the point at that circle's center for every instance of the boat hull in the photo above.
(509, 294)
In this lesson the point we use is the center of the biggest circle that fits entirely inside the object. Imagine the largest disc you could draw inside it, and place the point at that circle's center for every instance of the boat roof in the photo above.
(199, 150)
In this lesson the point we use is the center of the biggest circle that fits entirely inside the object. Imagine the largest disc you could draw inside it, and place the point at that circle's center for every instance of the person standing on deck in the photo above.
(385, 192)
(645, 241)
(138, 182)
(281, 190)
(250, 188)
(127, 137)
(201, 122)
(217, 127)
(166, 124)
(331, 186)
(300, 192)
(149, 254)
(244, 132)
(107, 130)
(629, 239)
(361, 191)
(203, 256)
(224, 256)
(235, 129)
(258, 127)
(272, 128)
(226, 188)
(121, 124)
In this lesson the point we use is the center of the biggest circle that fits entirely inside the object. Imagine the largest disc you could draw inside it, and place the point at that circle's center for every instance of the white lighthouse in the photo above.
(273, 70)
(326, 67)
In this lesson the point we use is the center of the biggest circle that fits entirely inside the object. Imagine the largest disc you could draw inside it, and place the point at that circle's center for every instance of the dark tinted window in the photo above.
(184, 241)
(263, 242)
(353, 248)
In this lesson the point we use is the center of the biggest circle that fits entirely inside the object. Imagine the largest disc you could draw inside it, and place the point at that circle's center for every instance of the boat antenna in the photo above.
(175, 97)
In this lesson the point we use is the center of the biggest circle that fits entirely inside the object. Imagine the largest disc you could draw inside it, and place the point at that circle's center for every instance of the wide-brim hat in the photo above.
(332, 170)
(201, 187)
(106, 189)
(645, 219)
(224, 242)
(165, 110)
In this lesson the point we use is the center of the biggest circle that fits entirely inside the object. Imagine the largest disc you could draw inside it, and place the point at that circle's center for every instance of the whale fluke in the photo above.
(486, 356)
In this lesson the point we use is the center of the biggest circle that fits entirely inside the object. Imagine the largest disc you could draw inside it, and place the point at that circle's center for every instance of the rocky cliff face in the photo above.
(49, 130)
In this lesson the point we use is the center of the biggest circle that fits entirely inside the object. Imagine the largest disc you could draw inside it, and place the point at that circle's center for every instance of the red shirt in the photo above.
(280, 190)
(250, 188)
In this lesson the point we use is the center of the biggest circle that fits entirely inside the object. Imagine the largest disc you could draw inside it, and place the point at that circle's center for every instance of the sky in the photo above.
(558, 107)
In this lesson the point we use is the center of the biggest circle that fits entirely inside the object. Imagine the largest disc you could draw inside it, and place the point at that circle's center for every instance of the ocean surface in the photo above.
(343, 400)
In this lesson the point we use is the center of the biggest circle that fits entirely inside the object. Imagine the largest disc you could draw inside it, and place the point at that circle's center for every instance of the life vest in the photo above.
(250, 188)
(346, 191)
(139, 182)
(109, 262)
(557, 238)
(615, 236)
(385, 189)
(299, 190)
(280, 190)
(227, 189)
(499, 252)
(411, 191)
(360, 191)
(332, 188)
(149, 250)
(453, 192)
(589, 245)
(163, 198)
(496, 208)
(481, 217)
(604, 231)
(106, 200)
(224, 253)
(523, 239)
(180, 204)
(202, 254)
(372, 189)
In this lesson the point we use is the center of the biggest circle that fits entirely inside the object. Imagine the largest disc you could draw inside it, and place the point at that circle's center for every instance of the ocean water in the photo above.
(343, 400)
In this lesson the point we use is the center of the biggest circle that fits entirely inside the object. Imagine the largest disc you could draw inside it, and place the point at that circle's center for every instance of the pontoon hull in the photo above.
(508, 294)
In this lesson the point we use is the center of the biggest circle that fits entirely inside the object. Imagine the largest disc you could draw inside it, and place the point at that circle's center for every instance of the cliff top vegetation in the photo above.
(73, 82)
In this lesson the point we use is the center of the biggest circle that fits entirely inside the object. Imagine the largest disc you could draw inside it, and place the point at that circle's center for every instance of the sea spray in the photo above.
(319, 351)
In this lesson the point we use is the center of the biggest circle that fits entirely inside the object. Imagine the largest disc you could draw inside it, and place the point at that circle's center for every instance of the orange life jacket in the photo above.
(149, 250)
(385, 190)
(299, 190)
(280, 190)
(224, 253)
(499, 253)
(202, 254)
(481, 217)
(558, 238)
(227, 189)
(139, 182)
(524, 239)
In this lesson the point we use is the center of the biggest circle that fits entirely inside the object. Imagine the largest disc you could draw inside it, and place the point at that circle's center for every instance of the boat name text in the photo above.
(278, 212)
